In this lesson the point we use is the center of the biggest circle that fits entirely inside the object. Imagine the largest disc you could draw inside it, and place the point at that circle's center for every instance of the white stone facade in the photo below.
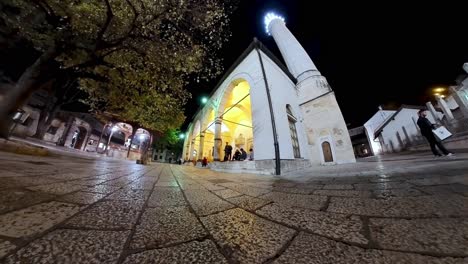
(308, 121)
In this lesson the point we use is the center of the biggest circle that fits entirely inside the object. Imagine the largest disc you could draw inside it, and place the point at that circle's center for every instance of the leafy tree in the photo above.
(133, 57)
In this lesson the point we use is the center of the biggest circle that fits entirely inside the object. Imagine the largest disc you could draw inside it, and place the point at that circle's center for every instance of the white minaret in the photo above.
(298, 61)
(327, 134)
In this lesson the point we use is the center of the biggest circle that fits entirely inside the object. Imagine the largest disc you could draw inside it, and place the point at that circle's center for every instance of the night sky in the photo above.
(371, 55)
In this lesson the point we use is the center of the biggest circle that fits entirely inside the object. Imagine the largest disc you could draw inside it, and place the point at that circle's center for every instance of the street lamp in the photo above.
(181, 136)
(204, 100)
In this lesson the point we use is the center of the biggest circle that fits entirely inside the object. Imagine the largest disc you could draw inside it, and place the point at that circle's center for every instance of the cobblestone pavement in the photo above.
(403, 209)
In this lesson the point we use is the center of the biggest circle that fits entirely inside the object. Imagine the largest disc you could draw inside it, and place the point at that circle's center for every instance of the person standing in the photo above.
(227, 152)
(426, 128)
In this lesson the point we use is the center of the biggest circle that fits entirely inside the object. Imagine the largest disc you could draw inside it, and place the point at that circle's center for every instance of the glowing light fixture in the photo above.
(439, 90)
(204, 100)
(182, 136)
(270, 16)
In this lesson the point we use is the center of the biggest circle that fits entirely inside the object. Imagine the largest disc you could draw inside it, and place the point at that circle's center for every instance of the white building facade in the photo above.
(289, 116)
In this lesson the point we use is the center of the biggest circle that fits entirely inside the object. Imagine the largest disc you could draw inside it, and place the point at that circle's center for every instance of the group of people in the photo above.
(238, 154)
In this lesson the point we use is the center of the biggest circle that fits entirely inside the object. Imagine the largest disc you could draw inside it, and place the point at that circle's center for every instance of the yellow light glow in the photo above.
(437, 94)
(439, 90)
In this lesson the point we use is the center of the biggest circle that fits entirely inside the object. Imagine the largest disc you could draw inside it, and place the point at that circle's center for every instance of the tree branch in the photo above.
(102, 31)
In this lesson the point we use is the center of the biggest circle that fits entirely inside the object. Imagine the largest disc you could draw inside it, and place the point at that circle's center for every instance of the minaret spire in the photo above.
(298, 61)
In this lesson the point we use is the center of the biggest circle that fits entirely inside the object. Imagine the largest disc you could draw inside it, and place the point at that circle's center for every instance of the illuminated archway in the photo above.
(235, 112)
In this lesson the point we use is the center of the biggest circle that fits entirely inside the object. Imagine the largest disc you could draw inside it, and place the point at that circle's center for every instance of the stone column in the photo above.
(461, 101)
(433, 112)
(192, 143)
(445, 108)
(200, 147)
(217, 140)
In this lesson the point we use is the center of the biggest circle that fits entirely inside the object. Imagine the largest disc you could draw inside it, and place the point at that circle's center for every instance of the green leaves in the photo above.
(143, 51)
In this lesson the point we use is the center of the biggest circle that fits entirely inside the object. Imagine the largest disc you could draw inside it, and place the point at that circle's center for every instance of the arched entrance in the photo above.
(235, 113)
(79, 137)
(327, 152)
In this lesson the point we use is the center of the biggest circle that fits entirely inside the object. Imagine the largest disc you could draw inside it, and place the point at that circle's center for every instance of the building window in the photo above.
(292, 129)
(28, 122)
(160, 157)
(52, 130)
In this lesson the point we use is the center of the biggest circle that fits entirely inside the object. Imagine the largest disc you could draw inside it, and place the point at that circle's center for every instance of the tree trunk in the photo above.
(23, 89)
(45, 120)
(64, 136)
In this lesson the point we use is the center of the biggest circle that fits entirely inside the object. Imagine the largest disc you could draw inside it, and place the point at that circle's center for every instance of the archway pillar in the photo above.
(217, 140)
(200, 147)
(192, 145)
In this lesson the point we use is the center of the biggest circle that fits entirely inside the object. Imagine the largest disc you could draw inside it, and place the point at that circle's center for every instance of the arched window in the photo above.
(292, 129)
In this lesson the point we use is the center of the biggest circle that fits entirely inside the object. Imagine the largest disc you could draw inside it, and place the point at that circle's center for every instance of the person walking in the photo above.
(426, 128)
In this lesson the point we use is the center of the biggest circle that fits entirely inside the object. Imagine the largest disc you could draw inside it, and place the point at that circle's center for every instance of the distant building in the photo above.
(360, 142)
(400, 131)
(371, 126)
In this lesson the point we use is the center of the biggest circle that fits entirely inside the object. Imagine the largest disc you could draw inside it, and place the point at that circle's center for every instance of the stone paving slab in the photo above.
(246, 238)
(87, 182)
(35, 219)
(115, 214)
(382, 186)
(57, 188)
(315, 202)
(129, 194)
(445, 189)
(164, 226)
(338, 187)
(440, 180)
(5, 247)
(102, 188)
(248, 203)
(12, 199)
(82, 198)
(420, 206)
(307, 248)
(293, 190)
(73, 246)
(335, 226)
(385, 194)
(420, 216)
(18, 182)
(167, 184)
(166, 196)
(431, 236)
(205, 203)
(227, 193)
(247, 190)
(204, 252)
(343, 193)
